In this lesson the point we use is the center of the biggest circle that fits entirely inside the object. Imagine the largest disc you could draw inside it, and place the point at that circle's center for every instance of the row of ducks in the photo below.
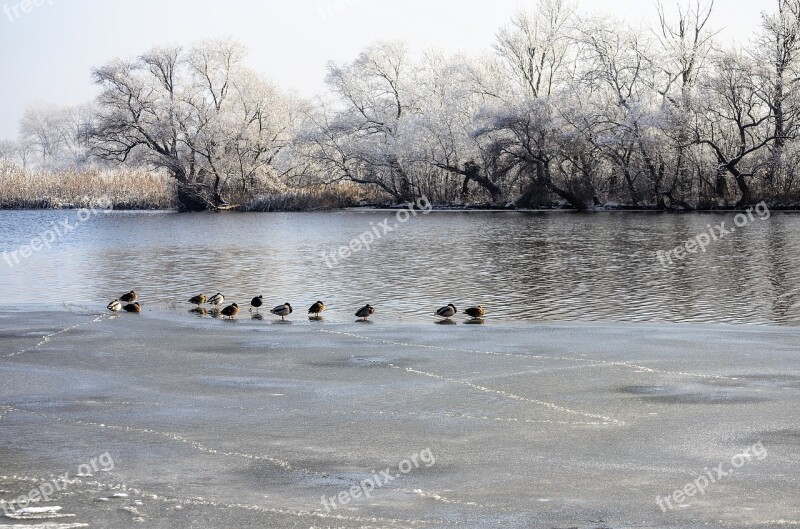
(284, 310)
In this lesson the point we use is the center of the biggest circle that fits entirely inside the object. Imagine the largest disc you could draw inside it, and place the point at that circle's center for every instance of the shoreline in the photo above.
(442, 209)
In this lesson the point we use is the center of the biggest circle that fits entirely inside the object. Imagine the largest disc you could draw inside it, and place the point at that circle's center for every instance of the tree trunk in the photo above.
(189, 199)
(472, 171)
(744, 188)
(544, 181)
(525, 200)
(720, 185)
(195, 195)
(626, 171)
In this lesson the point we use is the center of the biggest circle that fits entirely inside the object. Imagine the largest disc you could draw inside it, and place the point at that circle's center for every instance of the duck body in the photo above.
(317, 308)
(365, 312)
(256, 302)
(132, 307)
(447, 312)
(115, 306)
(230, 311)
(217, 299)
(475, 312)
(130, 297)
(282, 310)
(198, 300)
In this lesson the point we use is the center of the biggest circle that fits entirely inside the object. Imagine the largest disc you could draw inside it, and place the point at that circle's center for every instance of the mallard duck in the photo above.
(115, 306)
(130, 297)
(256, 303)
(230, 311)
(198, 300)
(475, 312)
(217, 300)
(282, 310)
(317, 308)
(132, 307)
(447, 312)
(365, 312)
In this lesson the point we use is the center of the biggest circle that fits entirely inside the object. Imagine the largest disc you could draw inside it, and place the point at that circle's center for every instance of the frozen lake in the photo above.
(520, 266)
(211, 423)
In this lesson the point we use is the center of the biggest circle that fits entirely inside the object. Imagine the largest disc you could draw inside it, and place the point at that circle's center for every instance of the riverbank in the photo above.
(288, 205)
(251, 423)
(141, 190)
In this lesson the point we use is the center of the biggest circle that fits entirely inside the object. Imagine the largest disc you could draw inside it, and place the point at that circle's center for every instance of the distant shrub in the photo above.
(334, 196)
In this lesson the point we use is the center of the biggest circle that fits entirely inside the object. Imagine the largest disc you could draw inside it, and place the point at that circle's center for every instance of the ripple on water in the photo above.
(519, 266)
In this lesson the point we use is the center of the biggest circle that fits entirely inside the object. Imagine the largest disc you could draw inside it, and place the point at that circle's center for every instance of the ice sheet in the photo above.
(249, 423)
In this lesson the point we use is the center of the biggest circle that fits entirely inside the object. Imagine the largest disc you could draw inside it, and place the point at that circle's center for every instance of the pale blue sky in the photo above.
(46, 54)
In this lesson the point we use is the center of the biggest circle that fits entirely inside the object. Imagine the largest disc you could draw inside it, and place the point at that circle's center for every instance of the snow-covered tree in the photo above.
(198, 113)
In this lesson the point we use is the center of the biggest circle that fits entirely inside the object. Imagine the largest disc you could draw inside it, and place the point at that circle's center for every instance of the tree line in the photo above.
(565, 110)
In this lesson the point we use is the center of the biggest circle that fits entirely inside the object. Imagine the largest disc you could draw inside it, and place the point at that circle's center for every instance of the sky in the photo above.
(48, 47)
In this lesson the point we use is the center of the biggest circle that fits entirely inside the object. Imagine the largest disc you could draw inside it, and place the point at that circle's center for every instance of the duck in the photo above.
(130, 297)
(282, 310)
(217, 300)
(316, 309)
(256, 303)
(230, 311)
(132, 307)
(115, 306)
(447, 312)
(475, 312)
(198, 300)
(365, 312)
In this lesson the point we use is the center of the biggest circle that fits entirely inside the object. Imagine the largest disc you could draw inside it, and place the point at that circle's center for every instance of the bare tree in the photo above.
(453, 91)
(779, 46)
(199, 114)
(685, 43)
(535, 45)
(365, 140)
(531, 137)
(39, 127)
(686, 40)
(616, 75)
(734, 121)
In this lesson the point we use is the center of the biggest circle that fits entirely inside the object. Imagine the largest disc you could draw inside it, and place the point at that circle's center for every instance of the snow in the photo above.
(37, 513)
(38, 510)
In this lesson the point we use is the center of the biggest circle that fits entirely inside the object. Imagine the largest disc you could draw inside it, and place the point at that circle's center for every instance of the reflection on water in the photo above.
(519, 266)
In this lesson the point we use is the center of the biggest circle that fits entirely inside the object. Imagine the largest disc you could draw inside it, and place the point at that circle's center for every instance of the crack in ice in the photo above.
(599, 363)
(175, 437)
(512, 396)
(46, 338)
(216, 504)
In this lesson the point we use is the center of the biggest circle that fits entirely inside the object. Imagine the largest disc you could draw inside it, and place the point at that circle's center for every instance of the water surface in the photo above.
(520, 266)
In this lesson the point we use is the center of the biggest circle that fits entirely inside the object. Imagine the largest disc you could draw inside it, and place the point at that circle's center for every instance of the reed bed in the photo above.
(121, 188)
(136, 189)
